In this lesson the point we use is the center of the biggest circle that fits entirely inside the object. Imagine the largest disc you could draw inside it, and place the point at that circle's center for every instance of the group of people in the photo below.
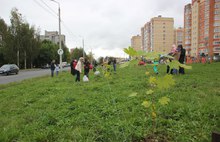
(77, 67)
(178, 54)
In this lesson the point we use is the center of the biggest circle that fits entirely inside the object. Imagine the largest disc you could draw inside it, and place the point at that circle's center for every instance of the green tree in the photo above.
(100, 60)
(47, 53)
(77, 53)
(66, 54)
(15, 29)
(90, 57)
(3, 38)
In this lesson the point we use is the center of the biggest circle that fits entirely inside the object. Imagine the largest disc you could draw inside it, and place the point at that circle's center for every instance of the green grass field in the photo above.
(59, 109)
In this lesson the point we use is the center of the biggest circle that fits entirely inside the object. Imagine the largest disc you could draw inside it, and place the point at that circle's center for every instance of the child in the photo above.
(57, 68)
(156, 62)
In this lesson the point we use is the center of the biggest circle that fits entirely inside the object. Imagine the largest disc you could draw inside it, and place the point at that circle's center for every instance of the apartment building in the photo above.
(187, 28)
(195, 28)
(178, 36)
(158, 34)
(53, 36)
(205, 27)
(214, 31)
(146, 37)
(162, 34)
(136, 42)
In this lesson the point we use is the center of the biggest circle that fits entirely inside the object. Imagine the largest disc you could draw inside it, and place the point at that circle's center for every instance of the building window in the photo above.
(216, 42)
(217, 11)
(217, 29)
(217, 23)
(216, 36)
(217, 5)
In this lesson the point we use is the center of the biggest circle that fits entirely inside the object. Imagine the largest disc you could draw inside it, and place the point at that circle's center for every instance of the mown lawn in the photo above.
(58, 109)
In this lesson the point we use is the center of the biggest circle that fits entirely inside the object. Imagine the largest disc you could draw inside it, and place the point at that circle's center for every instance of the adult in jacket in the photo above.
(78, 68)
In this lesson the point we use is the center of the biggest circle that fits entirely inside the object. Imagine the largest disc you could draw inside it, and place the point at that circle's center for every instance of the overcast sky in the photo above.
(106, 25)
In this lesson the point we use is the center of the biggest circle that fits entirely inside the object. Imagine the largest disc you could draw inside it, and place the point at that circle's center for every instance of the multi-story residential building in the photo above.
(146, 37)
(195, 28)
(136, 42)
(205, 25)
(201, 37)
(178, 36)
(187, 28)
(158, 35)
(162, 34)
(53, 36)
(142, 39)
(214, 30)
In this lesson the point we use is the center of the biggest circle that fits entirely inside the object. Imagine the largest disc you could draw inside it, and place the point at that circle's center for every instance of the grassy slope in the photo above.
(58, 109)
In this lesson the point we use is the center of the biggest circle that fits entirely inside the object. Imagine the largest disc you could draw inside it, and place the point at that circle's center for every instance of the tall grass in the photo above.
(59, 109)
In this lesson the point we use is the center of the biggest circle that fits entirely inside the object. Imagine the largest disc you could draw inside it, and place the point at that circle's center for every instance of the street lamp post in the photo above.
(59, 32)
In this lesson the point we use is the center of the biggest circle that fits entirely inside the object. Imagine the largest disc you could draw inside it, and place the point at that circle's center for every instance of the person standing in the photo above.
(57, 69)
(72, 66)
(114, 64)
(182, 58)
(52, 67)
(86, 67)
(78, 68)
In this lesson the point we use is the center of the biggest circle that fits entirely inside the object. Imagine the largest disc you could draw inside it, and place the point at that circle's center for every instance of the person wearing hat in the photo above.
(78, 68)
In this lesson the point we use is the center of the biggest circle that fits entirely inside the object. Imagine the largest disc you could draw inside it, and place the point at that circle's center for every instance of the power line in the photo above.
(48, 7)
(54, 14)
(44, 8)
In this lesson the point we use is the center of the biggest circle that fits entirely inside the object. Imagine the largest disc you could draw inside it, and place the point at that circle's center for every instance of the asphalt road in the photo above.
(24, 74)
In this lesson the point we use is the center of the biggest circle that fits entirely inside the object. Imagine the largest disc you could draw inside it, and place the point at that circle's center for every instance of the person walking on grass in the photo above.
(78, 68)
(52, 67)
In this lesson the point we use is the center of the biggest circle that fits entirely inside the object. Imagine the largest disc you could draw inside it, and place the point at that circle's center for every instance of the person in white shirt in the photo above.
(78, 68)
(57, 69)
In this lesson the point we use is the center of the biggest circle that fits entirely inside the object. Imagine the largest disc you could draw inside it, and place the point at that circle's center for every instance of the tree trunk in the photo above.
(25, 60)
(18, 58)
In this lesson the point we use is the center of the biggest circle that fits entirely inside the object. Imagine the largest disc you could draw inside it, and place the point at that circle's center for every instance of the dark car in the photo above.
(9, 69)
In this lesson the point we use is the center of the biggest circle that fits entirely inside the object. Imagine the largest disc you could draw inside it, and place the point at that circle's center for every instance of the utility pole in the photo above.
(61, 66)
(60, 48)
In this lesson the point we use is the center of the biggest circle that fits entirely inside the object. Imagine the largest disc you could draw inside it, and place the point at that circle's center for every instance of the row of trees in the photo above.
(20, 44)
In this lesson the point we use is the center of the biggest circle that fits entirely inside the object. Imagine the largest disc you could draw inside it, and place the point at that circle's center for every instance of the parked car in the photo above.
(9, 69)
(47, 66)
(216, 58)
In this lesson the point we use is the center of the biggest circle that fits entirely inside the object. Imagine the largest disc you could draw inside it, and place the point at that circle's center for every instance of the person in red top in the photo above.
(73, 65)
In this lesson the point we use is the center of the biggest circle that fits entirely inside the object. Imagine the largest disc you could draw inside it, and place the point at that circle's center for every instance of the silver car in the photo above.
(9, 69)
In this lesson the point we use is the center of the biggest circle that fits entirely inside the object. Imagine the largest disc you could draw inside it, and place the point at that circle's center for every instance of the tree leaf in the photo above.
(130, 51)
(124, 65)
(164, 101)
(165, 82)
(134, 94)
(176, 64)
(146, 104)
(147, 73)
(149, 92)
(154, 115)
(153, 81)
